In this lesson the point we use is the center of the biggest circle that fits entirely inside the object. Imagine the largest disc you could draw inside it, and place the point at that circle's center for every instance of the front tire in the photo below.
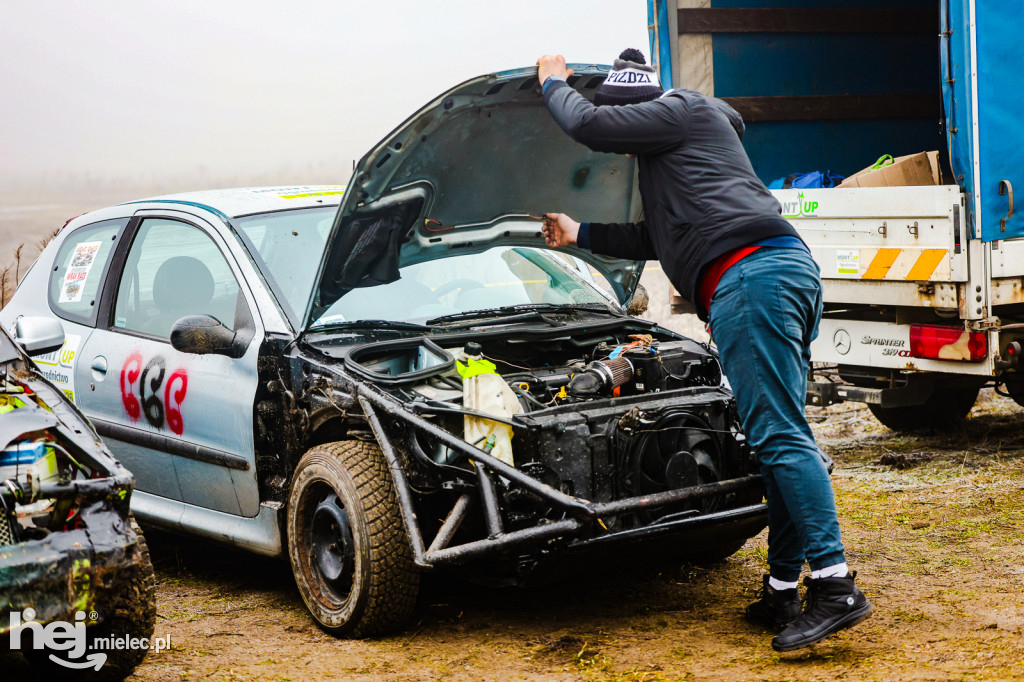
(349, 550)
(943, 411)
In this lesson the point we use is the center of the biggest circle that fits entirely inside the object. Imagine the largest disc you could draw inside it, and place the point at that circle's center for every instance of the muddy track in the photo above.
(934, 524)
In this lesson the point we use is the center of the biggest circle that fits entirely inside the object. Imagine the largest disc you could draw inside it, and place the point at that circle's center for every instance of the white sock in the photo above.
(777, 585)
(837, 571)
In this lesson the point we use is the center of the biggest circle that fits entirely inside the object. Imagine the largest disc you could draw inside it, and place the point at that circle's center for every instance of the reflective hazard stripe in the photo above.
(912, 265)
(881, 263)
(926, 264)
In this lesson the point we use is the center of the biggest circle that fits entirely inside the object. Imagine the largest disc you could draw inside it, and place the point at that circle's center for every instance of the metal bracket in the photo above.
(883, 229)
(912, 229)
(1005, 188)
(985, 324)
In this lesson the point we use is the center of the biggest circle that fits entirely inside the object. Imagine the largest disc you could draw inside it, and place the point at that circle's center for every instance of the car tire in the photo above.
(127, 604)
(349, 549)
(943, 411)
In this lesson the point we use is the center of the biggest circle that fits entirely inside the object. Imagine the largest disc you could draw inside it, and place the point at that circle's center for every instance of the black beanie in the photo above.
(631, 81)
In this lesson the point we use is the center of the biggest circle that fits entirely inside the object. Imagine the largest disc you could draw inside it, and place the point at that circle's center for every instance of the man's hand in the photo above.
(552, 65)
(560, 230)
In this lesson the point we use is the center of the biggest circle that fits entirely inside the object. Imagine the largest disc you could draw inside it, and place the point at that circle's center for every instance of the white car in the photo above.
(278, 366)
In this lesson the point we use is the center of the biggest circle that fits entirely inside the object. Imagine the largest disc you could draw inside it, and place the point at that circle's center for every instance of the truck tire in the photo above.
(943, 411)
(349, 549)
(126, 600)
(1015, 388)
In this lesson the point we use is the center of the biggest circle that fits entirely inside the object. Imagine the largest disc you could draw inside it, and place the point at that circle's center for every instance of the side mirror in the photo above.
(39, 335)
(206, 335)
(638, 304)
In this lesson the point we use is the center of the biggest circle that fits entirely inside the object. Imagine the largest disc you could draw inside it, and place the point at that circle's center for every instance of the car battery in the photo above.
(669, 365)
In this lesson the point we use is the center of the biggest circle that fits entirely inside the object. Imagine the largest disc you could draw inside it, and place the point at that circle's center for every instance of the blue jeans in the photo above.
(764, 315)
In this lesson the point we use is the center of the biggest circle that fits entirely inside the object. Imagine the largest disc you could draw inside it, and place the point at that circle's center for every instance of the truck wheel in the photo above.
(126, 600)
(944, 410)
(349, 550)
(1015, 387)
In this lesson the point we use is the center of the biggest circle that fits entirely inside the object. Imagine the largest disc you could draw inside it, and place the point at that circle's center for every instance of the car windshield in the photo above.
(287, 246)
(500, 276)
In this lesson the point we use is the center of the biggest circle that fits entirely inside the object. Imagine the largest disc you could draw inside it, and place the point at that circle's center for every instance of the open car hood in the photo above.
(464, 174)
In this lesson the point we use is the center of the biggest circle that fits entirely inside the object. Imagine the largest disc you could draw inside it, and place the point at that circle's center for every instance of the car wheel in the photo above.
(126, 600)
(349, 550)
(944, 410)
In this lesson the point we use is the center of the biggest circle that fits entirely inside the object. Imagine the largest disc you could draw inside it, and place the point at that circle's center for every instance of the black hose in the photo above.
(526, 394)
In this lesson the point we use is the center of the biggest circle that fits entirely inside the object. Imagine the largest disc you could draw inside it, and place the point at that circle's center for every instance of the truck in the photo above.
(923, 283)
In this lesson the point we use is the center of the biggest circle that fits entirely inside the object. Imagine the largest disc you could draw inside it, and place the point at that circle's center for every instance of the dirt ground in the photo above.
(933, 523)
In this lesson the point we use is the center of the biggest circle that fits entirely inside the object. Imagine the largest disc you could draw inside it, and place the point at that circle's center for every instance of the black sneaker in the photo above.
(776, 608)
(832, 605)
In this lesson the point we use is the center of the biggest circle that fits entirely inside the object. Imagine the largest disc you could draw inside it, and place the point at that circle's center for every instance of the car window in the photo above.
(78, 270)
(174, 269)
(288, 247)
(500, 276)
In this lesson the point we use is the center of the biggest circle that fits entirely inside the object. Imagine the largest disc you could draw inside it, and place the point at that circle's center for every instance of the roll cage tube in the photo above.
(582, 514)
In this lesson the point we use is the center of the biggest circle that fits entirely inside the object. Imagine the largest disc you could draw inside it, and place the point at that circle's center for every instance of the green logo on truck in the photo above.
(798, 208)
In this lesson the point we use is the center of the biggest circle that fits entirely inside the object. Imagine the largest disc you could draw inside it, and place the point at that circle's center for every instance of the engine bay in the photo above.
(604, 417)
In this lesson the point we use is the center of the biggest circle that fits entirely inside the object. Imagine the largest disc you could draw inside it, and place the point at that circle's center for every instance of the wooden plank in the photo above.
(806, 20)
(835, 107)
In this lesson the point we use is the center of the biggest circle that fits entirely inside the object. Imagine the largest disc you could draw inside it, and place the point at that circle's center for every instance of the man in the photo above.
(721, 240)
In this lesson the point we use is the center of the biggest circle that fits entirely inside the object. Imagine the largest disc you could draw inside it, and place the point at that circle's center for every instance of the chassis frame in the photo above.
(582, 523)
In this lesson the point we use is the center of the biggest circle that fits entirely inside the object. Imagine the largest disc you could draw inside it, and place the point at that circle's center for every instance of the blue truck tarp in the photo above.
(977, 49)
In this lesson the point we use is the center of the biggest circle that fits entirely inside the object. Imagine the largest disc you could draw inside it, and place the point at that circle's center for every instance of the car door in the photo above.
(182, 423)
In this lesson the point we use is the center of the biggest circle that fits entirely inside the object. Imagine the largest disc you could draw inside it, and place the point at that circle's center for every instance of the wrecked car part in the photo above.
(67, 543)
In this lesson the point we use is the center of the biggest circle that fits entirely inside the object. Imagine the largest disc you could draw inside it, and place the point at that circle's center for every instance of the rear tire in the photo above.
(349, 549)
(943, 411)
(1015, 388)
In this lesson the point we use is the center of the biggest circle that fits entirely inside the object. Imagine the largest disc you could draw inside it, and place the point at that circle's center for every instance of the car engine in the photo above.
(602, 419)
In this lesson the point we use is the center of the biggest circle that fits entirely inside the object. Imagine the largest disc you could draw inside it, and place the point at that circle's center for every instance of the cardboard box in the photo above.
(911, 170)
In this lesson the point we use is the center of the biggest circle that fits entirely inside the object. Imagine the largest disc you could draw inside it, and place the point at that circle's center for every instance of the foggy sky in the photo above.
(115, 88)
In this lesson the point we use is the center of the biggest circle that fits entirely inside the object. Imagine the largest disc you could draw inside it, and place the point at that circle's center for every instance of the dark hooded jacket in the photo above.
(700, 195)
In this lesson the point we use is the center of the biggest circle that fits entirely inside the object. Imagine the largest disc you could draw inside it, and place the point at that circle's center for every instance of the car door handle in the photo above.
(99, 365)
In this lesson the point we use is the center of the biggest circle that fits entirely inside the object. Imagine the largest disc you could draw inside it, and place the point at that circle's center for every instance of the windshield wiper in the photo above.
(394, 325)
(515, 313)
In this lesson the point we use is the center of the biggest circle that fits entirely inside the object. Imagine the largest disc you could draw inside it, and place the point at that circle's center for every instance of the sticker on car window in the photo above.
(82, 260)
(59, 366)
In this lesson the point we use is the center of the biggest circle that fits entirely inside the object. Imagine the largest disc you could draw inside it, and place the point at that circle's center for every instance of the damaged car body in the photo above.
(67, 542)
(409, 380)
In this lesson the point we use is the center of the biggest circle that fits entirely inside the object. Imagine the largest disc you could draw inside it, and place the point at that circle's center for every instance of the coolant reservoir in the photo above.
(483, 390)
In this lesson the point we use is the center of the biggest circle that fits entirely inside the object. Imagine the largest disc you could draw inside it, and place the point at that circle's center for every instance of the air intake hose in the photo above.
(601, 376)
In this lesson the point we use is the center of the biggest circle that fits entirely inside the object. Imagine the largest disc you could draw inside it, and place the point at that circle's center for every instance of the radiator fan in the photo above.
(677, 451)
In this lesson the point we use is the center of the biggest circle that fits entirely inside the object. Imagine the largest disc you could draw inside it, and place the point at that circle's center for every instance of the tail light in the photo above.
(947, 343)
